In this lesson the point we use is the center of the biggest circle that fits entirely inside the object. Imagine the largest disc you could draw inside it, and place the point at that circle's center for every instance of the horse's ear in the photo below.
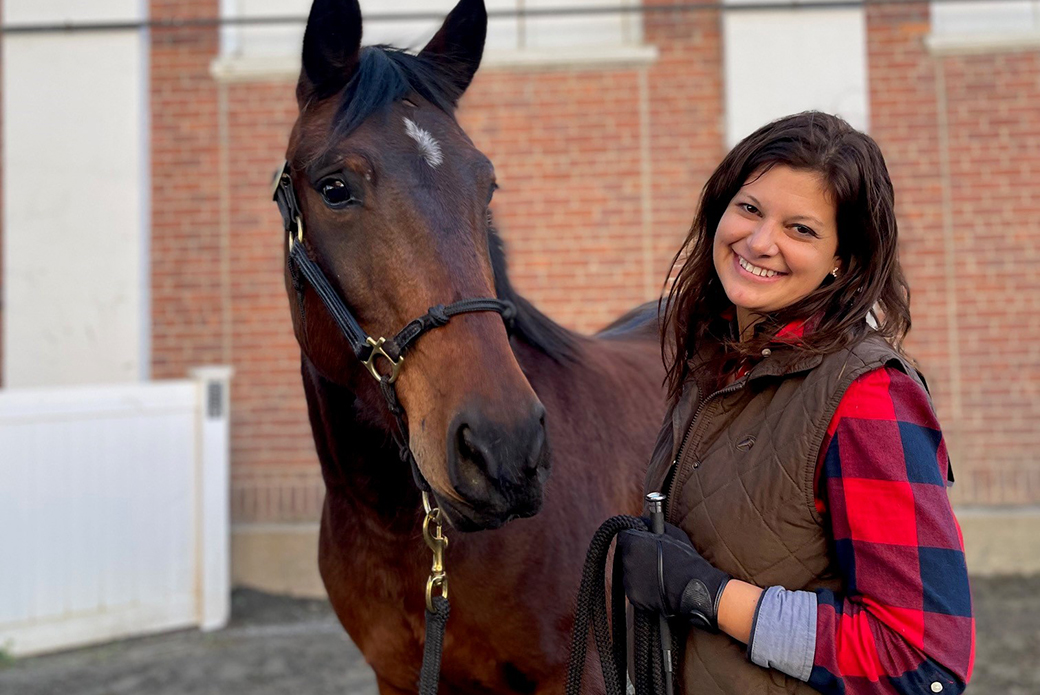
(459, 44)
(331, 45)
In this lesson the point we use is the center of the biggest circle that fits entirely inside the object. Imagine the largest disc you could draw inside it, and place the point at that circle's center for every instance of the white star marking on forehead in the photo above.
(429, 148)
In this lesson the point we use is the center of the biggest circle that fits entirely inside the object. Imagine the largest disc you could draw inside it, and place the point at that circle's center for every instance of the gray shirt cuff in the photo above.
(783, 634)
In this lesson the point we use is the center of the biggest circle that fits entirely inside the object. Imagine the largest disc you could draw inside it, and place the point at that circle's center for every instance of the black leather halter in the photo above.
(366, 348)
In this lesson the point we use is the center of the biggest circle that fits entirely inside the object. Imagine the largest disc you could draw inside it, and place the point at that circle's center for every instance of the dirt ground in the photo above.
(277, 645)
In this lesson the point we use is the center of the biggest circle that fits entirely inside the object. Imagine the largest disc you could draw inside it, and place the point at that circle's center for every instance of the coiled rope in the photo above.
(612, 640)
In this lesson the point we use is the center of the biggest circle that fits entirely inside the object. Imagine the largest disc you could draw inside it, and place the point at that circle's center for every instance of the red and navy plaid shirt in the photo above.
(904, 623)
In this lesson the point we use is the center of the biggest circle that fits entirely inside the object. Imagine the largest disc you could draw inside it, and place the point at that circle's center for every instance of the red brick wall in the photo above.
(962, 138)
(188, 307)
(275, 471)
(600, 169)
(993, 110)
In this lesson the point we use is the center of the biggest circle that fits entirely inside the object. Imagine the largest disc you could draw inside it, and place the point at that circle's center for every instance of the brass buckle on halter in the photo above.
(299, 232)
(438, 543)
(378, 351)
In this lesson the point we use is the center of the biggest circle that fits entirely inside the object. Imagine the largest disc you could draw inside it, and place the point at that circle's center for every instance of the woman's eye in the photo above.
(804, 231)
(748, 207)
(336, 193)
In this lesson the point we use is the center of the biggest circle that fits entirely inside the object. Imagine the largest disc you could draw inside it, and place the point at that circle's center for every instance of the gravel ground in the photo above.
(277, 645)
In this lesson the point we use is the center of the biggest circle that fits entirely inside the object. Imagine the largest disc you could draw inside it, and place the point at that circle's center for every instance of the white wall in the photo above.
(779, 62)
(76, 186)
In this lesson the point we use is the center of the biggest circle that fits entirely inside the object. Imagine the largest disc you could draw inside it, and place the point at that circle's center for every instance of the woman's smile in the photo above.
(756, 272)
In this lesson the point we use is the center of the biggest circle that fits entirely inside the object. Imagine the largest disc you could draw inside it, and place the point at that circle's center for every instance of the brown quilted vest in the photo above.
(742, 489)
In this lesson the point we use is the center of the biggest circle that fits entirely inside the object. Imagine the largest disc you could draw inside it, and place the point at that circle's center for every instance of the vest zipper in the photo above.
(677, 472)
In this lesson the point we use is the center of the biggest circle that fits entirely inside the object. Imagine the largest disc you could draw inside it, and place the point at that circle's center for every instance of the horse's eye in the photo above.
(336, 193)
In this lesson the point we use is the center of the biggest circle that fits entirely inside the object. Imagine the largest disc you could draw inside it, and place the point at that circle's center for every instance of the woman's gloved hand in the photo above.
(667, 575)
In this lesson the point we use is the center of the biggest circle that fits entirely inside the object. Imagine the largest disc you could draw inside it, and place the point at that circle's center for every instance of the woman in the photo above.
(814, 547)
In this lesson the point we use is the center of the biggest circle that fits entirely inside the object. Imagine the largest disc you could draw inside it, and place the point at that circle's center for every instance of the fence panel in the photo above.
(104, 526)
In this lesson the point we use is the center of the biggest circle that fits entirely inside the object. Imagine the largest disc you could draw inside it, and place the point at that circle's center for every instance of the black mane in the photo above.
(530, 325)
(385, 75)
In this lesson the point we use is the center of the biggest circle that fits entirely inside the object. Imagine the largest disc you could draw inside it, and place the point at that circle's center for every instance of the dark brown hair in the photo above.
(871, 281)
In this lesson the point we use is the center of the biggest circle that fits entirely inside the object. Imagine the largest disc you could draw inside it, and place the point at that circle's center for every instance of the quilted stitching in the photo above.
(712, 494)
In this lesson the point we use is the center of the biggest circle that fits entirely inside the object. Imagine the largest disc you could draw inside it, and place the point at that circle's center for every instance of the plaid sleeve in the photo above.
(904, 624)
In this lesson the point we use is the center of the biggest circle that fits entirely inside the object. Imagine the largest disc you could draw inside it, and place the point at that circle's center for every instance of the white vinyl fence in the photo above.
(113, 511)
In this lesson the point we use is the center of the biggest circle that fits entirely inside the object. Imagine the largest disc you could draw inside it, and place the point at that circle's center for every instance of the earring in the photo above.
(834, 273)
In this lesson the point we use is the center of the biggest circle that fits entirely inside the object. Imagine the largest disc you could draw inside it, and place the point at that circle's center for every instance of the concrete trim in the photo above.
(235, 69)
(1001, 541)
(283, 558)
(974, 44)
(277, 558)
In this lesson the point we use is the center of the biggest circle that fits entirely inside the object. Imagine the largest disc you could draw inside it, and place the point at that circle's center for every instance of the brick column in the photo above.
(687, 121)
(959, 133)
(188, 310)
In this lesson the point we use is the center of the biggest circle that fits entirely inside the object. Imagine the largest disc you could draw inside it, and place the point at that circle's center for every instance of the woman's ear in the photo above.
(331, 45)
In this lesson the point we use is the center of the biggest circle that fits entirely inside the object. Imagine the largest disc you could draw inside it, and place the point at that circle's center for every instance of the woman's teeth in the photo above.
(755, 270)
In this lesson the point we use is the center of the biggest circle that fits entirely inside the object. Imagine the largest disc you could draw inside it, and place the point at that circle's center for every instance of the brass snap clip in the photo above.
(438, 543)
(395, 368)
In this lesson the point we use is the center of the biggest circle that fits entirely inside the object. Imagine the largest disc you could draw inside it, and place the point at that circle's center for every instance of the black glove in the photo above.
(667, 575)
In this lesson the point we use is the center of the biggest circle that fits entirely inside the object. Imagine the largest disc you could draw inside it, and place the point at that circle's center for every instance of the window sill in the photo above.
(233, 69)
(974, 44)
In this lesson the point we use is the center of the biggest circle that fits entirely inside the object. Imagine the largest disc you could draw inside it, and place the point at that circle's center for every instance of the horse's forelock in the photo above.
(386, 75)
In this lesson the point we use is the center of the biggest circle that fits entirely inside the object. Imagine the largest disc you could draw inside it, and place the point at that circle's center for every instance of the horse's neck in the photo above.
(359, 461)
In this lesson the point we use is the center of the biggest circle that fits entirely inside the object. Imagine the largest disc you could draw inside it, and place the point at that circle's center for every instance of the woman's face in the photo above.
(776, 241)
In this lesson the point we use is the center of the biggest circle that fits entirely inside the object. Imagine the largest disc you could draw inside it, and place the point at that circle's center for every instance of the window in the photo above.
(785, 60)
(986, 18)
(511, 33)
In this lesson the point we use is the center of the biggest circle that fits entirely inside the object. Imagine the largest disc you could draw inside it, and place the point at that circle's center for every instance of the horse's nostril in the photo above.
(465, 437)
(472, 451)
(536, 455)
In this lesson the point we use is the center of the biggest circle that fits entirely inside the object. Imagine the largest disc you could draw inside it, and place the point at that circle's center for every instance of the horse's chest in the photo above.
(382, 610)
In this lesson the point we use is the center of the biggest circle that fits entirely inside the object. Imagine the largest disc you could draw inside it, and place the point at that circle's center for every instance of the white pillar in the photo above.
(214, 514)
(76, 191)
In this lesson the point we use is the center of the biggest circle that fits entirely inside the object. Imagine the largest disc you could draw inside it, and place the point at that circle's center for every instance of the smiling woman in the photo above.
(804, 465)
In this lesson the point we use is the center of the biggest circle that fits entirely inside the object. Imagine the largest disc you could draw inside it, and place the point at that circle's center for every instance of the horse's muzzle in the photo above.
(498, 470)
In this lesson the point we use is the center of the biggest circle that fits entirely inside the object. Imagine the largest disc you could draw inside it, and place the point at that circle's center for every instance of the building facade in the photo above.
(139, 239)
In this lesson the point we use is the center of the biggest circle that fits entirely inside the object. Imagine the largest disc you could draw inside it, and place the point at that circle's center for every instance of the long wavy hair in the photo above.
(696, 340)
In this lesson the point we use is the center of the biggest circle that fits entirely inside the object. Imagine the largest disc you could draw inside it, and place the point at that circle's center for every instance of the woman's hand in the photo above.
(667, 575)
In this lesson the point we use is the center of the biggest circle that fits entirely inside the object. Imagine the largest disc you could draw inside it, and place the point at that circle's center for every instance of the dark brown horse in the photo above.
(395, 198)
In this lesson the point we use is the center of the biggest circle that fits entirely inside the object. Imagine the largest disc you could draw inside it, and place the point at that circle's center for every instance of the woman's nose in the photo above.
(762, 241)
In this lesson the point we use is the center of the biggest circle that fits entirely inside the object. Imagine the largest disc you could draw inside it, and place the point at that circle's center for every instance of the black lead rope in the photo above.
(430, 674)
(612, 640)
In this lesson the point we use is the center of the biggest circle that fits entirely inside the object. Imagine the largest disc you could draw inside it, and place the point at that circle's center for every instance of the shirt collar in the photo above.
(791, 333)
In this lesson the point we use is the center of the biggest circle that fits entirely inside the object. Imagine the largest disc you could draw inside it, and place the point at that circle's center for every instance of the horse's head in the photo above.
(394, 200)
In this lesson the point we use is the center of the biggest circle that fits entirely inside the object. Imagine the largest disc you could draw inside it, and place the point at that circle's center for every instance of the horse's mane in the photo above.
(530, 325)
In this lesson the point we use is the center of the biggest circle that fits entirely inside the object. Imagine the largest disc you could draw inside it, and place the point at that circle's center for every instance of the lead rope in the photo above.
(613, 648)
(437, 607)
